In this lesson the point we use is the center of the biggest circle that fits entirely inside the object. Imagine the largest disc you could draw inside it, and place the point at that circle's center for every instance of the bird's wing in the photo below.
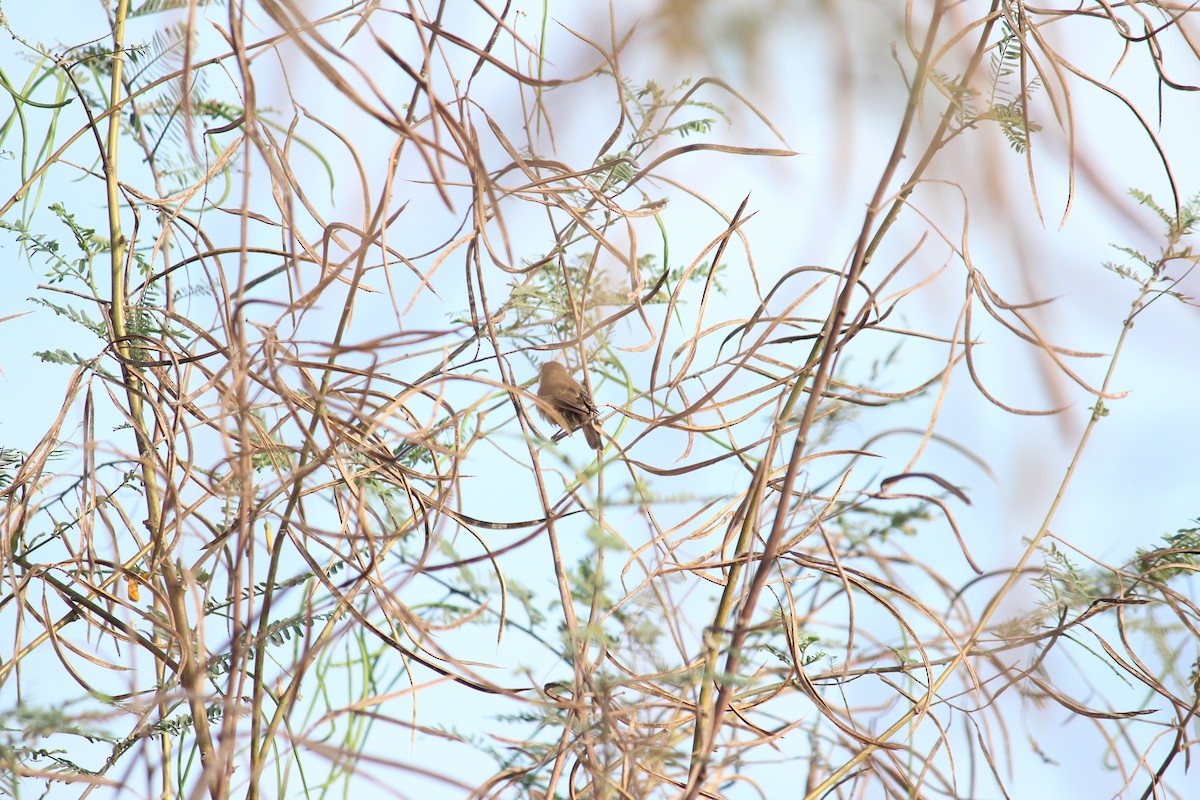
(582, 404)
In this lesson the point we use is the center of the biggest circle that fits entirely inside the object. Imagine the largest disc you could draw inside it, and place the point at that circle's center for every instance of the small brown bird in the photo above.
(567, 404)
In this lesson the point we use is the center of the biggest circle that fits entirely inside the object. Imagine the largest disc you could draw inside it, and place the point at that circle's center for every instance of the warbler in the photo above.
(567, 404)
